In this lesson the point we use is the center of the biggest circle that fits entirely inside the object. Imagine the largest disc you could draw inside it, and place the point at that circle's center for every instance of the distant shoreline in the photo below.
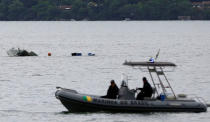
(107, 20)
(104, 10)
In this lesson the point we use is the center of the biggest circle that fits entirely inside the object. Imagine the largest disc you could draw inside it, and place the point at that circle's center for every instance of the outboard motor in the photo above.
(125, 93)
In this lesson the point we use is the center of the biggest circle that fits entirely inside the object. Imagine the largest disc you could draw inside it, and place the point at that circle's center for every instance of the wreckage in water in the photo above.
(19, 52)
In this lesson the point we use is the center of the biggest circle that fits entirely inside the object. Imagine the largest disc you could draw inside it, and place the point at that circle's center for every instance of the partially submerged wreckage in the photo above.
(20, 52)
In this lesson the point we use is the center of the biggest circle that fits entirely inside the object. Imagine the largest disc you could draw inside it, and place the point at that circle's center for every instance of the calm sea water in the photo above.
(28, 83)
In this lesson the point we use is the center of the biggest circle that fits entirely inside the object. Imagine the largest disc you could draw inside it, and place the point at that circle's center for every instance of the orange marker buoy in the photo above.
(49, 54)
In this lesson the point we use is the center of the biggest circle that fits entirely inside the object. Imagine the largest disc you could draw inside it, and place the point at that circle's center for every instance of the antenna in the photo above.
(157, 54)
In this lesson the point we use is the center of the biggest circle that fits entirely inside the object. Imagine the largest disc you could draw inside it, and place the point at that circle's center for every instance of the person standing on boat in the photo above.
(112, 91)
(146, 91)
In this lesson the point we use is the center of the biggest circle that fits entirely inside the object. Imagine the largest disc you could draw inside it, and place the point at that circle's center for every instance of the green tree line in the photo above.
(19, 10)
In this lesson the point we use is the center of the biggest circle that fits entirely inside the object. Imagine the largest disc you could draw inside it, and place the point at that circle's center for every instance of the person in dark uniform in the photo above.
(146, 91)
(112, 91)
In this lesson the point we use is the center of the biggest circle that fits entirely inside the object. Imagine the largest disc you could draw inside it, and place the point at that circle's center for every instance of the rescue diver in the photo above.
(112, 91)
(146, 91)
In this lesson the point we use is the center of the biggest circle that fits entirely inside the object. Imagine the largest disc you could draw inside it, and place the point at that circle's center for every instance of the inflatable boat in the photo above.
(163, 99)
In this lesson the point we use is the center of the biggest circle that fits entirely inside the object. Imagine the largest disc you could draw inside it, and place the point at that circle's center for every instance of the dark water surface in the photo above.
(28, 83)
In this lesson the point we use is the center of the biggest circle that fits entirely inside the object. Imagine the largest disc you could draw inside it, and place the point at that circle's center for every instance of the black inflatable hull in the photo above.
(76, 102)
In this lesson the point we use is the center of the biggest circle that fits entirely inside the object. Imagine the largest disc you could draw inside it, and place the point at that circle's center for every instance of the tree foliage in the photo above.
(99, 10)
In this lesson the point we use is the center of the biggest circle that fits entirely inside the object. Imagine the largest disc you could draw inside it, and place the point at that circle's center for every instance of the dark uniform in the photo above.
(146, 91)
(112, 92)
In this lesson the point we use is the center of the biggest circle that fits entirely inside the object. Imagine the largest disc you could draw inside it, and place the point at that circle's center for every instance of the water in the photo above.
(28, 83)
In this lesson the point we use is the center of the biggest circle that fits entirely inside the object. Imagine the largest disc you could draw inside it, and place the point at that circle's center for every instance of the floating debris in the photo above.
(91, 54)
(49, 54)
(76, 54)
